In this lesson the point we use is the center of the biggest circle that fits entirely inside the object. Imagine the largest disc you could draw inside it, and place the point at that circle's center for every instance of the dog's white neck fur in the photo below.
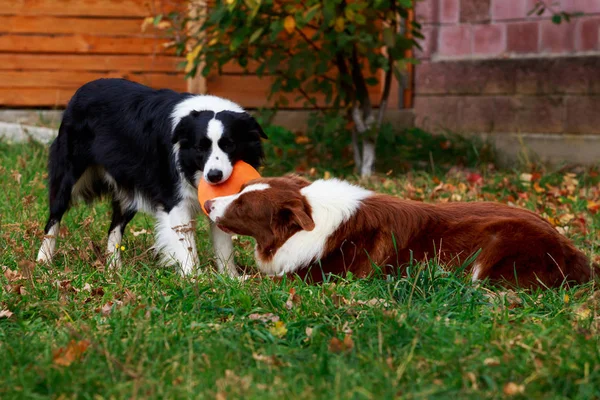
(333, 202)
(202, 103)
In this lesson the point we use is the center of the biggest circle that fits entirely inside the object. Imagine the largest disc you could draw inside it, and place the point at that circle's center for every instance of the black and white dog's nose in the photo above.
(214, 176)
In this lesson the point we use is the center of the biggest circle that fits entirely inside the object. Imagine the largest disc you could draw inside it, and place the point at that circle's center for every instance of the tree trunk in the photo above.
(368, 158)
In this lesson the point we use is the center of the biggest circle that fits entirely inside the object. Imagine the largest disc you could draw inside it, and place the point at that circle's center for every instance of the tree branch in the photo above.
(362, 93)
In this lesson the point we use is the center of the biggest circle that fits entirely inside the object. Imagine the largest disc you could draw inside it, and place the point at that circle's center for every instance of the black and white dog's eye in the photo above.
(204, 144)
(227, 145)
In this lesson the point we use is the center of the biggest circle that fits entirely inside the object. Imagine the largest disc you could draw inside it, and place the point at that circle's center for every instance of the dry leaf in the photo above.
(6, 313)
(11, 275)
(269, 360)
(337, 346)
(292, 300)
(491, 362)
(65, 356)
(473, 379)
(583, 312)
(108, 307)
(309, 332)
(26, 268)
(512, 389)
(268, 317)
(138, 233)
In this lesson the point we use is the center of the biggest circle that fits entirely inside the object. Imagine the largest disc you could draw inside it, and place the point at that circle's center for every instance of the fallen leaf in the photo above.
(525, 178)
(268, 317)
(293, 299)
(583, 312)
(11, 275)
(475, 178)
(138, 233)
(6, 313)
(308, 331)
(593, 206)
(278, 329)
(107, 308)
(491, 362)
(473, 379)
(26, 268)
(371, 302)
(338, 300)
(269, 360)
(337, 346)
(65, 356)
(538, 188)
(512, 389)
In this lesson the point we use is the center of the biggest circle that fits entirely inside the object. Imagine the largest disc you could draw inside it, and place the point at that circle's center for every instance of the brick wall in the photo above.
(486, 66)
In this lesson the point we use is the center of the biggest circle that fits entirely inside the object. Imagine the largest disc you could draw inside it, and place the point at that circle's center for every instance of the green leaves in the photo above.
(303, 44)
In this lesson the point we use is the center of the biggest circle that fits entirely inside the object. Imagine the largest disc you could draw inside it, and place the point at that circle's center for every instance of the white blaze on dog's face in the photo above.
(268, 209)
(212, 142)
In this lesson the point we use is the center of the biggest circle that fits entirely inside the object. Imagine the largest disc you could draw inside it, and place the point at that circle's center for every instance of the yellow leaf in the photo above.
(302, 139)
(327, 175)
(289, 23)
(230, 2)
(567, 298)
(538, 188)
(593, 206)
(163, 25)
(279, 330)
(213, 42)
(147, 21)
(339, 24)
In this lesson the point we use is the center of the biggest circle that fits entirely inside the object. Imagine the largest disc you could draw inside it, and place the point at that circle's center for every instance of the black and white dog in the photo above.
(148, 149)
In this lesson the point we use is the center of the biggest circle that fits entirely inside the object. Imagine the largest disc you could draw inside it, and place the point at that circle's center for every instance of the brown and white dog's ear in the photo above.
(298, 212)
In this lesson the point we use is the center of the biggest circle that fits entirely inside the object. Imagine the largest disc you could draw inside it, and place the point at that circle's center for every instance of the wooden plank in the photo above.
(71, 79)
(252, 92)
(35, 97)
(74, 62)
(98, 8)
(93, 26)
(80, 43)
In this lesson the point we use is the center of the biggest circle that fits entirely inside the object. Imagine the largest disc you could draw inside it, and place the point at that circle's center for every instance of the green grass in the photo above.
(145, 332)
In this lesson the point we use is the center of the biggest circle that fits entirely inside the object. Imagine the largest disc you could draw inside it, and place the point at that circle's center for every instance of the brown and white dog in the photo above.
(337, 227)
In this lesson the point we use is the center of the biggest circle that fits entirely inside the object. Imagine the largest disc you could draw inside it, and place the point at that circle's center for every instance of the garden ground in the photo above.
(74, 330)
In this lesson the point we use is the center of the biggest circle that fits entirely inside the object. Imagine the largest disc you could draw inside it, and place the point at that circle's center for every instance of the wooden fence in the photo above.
(48, 48)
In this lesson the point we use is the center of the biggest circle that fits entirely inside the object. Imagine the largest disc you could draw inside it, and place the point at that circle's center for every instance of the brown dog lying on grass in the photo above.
(336, 227)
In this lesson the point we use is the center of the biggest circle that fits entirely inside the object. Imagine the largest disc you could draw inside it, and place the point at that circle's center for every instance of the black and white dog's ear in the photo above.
(181, 133)
(253, 126)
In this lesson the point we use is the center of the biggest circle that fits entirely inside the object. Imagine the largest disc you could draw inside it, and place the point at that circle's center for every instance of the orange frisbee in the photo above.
(242, 173)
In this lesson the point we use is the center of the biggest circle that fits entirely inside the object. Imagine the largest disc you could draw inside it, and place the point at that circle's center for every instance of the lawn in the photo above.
(73, 330)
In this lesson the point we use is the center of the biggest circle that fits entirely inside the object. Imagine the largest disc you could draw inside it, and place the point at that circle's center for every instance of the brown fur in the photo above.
(516, 246)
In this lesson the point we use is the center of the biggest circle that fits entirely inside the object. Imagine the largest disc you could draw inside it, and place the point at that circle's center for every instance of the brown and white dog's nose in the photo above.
(208, 205)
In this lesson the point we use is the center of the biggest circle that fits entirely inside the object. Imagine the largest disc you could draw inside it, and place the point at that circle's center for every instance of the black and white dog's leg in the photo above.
(48, 246)
(175, 238)
(223, 247)
(120, 219)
